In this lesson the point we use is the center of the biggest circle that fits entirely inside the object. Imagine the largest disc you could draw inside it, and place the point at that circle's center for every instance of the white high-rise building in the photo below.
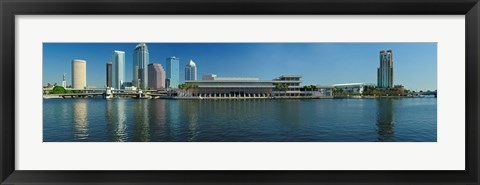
(191, 71)
(79, 74)
(140, 66)
(64, 80)
(118, 69)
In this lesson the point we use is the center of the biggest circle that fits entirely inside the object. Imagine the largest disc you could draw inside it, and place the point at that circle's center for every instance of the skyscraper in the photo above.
(173, 73)
(118, 69)
(64, 80)
(109, 74)
(191, 71)
(140, 63)
(385, 71)
(156, 76)
(79, 74)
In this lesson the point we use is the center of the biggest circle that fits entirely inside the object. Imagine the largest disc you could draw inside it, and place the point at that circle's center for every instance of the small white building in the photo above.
(356, 88)
(131, 89)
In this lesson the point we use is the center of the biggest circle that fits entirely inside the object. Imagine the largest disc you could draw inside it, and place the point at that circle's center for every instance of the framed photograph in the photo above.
(244, 92)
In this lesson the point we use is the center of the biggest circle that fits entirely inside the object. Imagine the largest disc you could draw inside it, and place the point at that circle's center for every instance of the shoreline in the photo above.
(252, 98)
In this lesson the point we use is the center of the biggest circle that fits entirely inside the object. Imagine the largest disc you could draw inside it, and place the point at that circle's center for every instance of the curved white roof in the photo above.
(191, 64)
(141, 45)
(79, 60)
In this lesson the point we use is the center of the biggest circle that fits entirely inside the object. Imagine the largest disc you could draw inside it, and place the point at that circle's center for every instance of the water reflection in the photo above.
(385, 125)
(288, 112)
(80, 121)
(127, 120)
(190, 109)
(173, 120)
(117, 120)
(141, 121)
(157, 119)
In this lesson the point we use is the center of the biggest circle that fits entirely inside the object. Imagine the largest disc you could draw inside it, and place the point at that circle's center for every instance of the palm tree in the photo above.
(282, 87)
(187, 86)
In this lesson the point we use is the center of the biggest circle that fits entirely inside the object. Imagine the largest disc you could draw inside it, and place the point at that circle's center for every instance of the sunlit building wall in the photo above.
(118, 69)
(79, 74)
(156, 76)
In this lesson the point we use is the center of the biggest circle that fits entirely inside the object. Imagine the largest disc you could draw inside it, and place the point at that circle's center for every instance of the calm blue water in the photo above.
(158, 120)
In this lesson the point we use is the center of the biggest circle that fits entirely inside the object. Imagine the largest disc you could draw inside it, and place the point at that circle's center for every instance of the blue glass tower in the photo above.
(173, 71)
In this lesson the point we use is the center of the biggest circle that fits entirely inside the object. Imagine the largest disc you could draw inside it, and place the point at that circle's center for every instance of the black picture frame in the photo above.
(10, 8)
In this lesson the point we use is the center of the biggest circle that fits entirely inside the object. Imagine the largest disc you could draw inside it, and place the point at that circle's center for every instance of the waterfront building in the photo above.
(325, 91)
(231, 87)
(156, 76)
(140, 63)
(191, 71)
(109, 74)
(79, 74)
(209, 77)
(118, 69)
(130, 89)
(250, 87)
(293, 85)
(64, 80)
(173, 73)
(385, 71)
(355, 88)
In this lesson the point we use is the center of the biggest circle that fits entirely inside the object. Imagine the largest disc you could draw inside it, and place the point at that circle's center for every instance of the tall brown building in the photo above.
(156, 76)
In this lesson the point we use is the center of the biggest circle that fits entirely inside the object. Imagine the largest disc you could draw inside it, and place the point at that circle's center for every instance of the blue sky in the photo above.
(415, 64)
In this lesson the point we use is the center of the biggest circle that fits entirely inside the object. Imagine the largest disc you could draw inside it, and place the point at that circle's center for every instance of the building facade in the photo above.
(212, 86)
(355, 88)
(64, 80)
(173, 73)
(385, 71)
(118, 69)
(291, 81)
(79, 74)
(225, 87)
(191, 71)
(156, 76)
(140, 63)
(109, 74)
(209, 77)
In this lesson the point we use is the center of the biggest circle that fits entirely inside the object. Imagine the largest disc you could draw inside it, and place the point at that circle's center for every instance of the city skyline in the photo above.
(318, 63)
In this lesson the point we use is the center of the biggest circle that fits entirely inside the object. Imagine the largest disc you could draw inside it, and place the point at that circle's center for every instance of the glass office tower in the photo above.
(140, 64)
(173, 72)
(118, 69)
(191, 71)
